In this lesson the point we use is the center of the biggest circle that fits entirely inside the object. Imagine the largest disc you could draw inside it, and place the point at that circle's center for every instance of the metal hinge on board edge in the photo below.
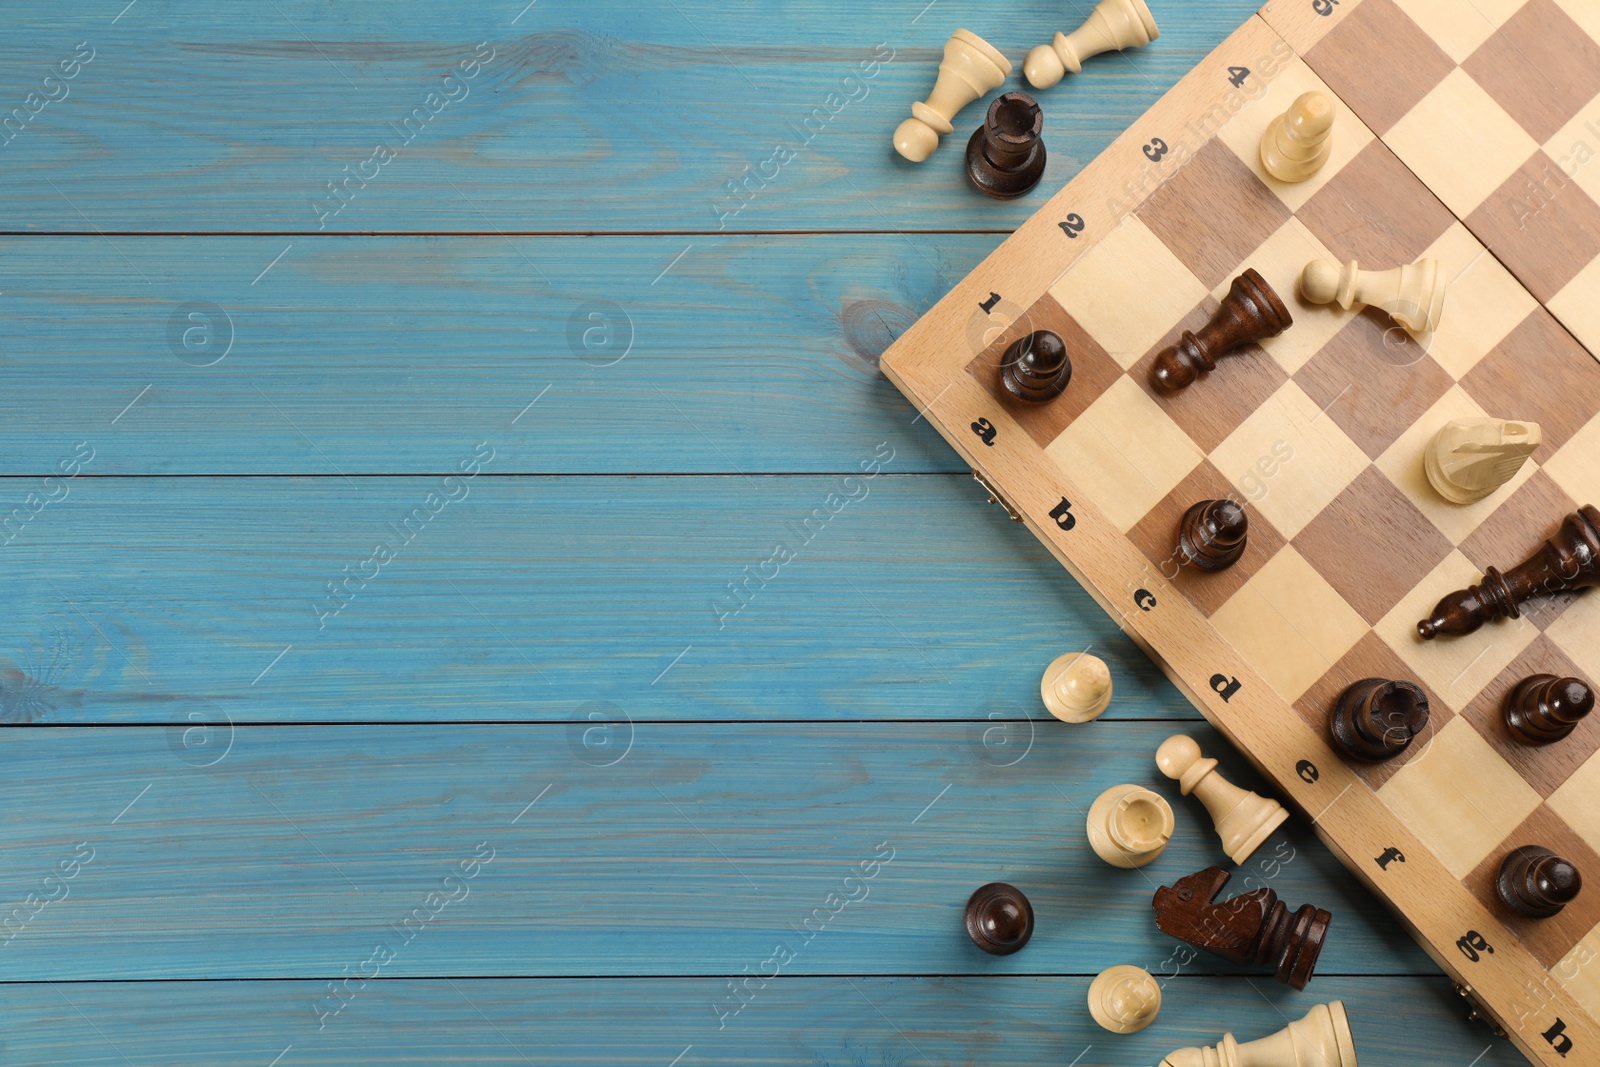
(994, 495)
(1476, 1010)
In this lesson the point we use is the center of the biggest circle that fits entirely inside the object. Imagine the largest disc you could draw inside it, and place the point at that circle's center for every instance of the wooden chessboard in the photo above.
(1468, 133)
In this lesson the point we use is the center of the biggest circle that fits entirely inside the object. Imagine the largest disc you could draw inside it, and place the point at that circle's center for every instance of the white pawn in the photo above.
(1124, 999)
(1076, 687)
(1321, 1039)
(1412, 294)
(1468, 459)
(1297, 143)
(971, 67)
(1114, 24)
(1244, 819)
(1129, 826)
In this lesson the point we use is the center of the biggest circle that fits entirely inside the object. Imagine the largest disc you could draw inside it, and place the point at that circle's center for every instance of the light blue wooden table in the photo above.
(393, 395)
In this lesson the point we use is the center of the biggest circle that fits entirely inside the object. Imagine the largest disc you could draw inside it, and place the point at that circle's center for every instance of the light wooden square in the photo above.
(1243, 133)
(1574, 632)
(1459, 796)
(1458, 26)
(1461, 143)
(1128, 291)
(1280, 260)
(1403, 465)
(1289, 623)
(1125, 453)
(1454, 668)
(1585, 13)
(1576, 467)
(1578, 304)
(1482, 304)
(1576, 146)
(1579, 971)
(1575, 802)
(1325, 460)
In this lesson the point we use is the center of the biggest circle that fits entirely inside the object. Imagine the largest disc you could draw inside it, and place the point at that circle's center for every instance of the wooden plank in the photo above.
(625, 119)
(300, 849)
(1015, 1021)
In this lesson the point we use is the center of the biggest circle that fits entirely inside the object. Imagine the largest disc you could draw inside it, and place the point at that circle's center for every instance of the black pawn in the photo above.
(1377, 719)
(1005, 157)
(1036, 368)
(999, 918)
(1543, 708)
(1213, 534)
(1536, 882)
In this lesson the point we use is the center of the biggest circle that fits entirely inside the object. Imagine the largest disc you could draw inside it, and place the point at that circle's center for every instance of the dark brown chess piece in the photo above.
(1542, 708)
(1568, 561)
(1250, 312)
(1005, 157)
(999, 918)
(1537, 883)
(1213, 534)
(1036, 368)
(1254, 927)
(1376, 719)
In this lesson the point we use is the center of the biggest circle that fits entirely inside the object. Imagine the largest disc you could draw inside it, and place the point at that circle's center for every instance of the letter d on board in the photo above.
(1224, 686)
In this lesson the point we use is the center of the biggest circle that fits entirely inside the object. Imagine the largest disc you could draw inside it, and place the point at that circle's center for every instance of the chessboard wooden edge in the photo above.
(928, 364)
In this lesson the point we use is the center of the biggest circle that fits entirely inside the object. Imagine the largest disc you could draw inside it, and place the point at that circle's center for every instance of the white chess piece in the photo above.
(1124, 999)
(1298, 142)
(1244, 819)
(1076, 687)
(1412, 294)
(1468, 459)
(1321, 1039)
(1129, 826)
(971, 67)
(1114, 25)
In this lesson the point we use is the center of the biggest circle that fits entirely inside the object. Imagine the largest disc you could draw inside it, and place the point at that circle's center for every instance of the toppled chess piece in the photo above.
(1250, 312)
(1113, 25)
(1377, 719)
(1321, 1039)
(1124, 999)
(999, 918)
(1129, 826)
(1213, 534)
(1244, 819)
(1006, 156)
(1413, 295)
(1536, 883)
(1468, 459)
(1036, 368)
(1298, 142)
(1568, 561)
(1542, 709)
(1254, 927)
(1076, 687)
(971, 67)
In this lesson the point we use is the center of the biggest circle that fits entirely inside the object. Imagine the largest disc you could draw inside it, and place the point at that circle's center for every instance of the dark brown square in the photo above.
(1515, 530)
(1156, 535)
(1374, 380)
(1541, 67)
(1372, 545)
(1093, 371)
(1375, 211)
(1541, 225)
(1244, 380)
(1370, 658)
(1539, 373)
(1544, 767)
(1213, 213)
(1548, 939)
(1380, 63)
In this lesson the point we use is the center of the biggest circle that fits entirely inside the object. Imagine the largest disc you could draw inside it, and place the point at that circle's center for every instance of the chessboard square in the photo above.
(1124, 453)
(1374, 379)
(1483, 303)
(1538, 373)
(1459, 28)
(1542, 225)
(1586, 14)
(1459, 797)
(1289, 624)
(1575, 146)
(1544, 767)
(1237, 209)
(1454, 669)
(1279, 260)
(1578, 975)
(1541, 67)
(1315, 458)
(1128, 290)
(1379, 62)
(1461, 143)
(1243, 134)
(1549, 939)
(1576, 466)
(1575, 633)
(1574, 801)
(1515, 531)
(1376, 212)
(1578, 305)
(1402, 464)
